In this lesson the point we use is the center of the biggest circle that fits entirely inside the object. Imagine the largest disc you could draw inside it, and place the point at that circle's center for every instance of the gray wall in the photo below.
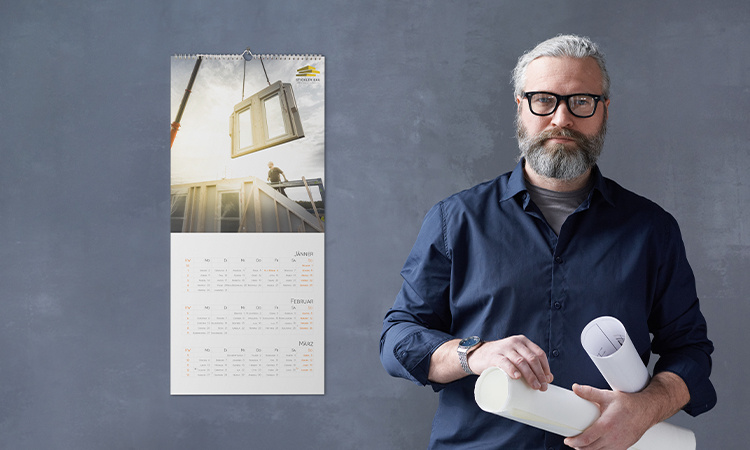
(418, 107)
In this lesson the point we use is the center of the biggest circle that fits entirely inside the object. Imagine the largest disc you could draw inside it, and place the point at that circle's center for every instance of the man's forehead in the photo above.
(566, 73)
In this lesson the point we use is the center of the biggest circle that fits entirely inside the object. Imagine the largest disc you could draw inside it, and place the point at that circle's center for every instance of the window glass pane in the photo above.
(176, 225)
(178, 205)
(274, 118)
(230, 212)
(230, 204)
(245, 128)
(230, 225)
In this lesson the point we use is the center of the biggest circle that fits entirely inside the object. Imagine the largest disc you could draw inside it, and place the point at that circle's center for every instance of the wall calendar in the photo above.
(247, 217)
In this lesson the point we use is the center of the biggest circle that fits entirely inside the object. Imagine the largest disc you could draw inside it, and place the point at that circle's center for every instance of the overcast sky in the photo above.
(202, 149)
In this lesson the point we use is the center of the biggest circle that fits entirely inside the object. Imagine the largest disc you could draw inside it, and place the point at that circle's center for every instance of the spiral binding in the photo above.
(261, 56)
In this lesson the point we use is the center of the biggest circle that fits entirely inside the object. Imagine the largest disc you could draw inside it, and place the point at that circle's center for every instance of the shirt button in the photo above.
(555, 353)
(557, 305)
(558, 260)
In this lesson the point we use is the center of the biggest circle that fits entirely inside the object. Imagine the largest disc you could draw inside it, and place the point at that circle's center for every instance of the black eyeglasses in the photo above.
(546, 103)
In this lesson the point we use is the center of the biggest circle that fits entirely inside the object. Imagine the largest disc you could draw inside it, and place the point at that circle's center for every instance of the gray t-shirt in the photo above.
(557, 206)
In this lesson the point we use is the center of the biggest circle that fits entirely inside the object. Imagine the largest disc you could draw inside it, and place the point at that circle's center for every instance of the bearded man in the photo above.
(509, 272)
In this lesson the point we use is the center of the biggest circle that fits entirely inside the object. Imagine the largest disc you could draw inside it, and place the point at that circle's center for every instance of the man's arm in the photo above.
(625, 417)
(415, 342)
(516, 355)
(681, 374)
(420, 320)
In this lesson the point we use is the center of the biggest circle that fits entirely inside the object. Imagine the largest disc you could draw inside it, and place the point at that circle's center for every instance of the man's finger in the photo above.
(508, 367)
(591, 394)
(521, 365)
(541, 356)
(582, 440)
(536, 362)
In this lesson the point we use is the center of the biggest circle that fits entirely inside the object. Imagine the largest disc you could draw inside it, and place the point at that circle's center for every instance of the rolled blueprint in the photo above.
(561, 411)
(607, 343)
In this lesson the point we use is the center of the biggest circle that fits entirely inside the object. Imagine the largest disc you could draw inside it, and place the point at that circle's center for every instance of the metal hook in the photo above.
(247, 55)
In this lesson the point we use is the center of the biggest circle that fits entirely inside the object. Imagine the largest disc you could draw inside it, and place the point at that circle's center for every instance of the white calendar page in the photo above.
(247, 314)
(247, 221)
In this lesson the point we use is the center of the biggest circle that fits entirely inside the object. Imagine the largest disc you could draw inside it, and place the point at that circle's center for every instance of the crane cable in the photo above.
(244, 69)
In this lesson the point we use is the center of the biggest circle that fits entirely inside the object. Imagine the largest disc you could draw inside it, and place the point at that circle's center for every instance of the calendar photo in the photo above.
(247, 147)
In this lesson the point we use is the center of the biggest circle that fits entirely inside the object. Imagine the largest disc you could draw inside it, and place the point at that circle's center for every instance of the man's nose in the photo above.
(562, 117)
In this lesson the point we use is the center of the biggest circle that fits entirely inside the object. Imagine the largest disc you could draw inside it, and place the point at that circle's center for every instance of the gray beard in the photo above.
(555, 160)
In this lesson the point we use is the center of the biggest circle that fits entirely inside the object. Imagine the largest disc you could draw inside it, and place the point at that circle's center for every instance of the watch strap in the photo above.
(463, 356)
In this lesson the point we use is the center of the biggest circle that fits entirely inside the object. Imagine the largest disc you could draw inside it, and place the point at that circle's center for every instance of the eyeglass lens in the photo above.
(580, 105)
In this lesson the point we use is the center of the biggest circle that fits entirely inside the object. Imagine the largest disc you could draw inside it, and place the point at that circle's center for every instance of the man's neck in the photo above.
(555, 184)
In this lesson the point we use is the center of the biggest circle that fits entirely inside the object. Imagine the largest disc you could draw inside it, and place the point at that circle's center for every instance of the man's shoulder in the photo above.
(479, 194)
(636, 205)
(622, 196)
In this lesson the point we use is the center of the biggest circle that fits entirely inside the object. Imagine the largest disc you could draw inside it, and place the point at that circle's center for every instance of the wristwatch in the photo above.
(464, 347)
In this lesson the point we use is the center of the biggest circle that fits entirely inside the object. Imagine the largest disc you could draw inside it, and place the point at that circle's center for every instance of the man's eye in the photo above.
(544, 100)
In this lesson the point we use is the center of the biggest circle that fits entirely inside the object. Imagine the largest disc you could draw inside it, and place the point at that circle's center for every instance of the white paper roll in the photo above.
(666, 436)
(607, 343)
(561, 411)
(556, 410)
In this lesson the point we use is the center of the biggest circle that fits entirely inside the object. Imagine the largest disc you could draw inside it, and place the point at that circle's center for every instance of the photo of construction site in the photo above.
(247, 144)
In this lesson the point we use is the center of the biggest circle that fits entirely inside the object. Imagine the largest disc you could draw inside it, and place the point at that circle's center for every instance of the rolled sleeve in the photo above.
(679, 328)
(405, 351)
(690, 365)
(420, 319)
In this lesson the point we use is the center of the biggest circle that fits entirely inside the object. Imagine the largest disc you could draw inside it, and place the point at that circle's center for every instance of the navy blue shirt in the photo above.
(487, 263)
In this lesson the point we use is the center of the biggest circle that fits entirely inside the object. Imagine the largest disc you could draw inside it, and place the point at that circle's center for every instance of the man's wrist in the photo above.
(466, 346)
(472, 352)
(669, 392)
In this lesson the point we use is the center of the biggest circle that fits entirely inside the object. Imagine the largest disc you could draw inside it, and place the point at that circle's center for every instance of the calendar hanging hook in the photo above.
(247, 55)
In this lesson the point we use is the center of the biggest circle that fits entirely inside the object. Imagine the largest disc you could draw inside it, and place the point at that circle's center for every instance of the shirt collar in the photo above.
(517, 184)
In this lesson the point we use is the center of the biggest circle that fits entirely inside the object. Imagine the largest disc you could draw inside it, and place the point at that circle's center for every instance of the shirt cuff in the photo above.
(414, 352)
(686, 365)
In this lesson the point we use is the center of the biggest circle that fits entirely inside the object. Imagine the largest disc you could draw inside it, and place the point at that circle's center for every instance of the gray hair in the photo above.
(561, 46)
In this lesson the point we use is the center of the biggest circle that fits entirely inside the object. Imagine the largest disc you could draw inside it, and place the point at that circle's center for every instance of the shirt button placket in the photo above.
(556, 305)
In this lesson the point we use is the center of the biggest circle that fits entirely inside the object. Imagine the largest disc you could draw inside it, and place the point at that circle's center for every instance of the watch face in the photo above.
(469, 341)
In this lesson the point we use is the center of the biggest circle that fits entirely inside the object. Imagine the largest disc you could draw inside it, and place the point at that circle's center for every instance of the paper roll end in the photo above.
(492, 390)
(600, 337)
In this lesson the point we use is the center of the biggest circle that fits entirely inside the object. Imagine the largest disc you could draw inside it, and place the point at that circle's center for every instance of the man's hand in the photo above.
(622, 422)
(516, 355)
(625, 417)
